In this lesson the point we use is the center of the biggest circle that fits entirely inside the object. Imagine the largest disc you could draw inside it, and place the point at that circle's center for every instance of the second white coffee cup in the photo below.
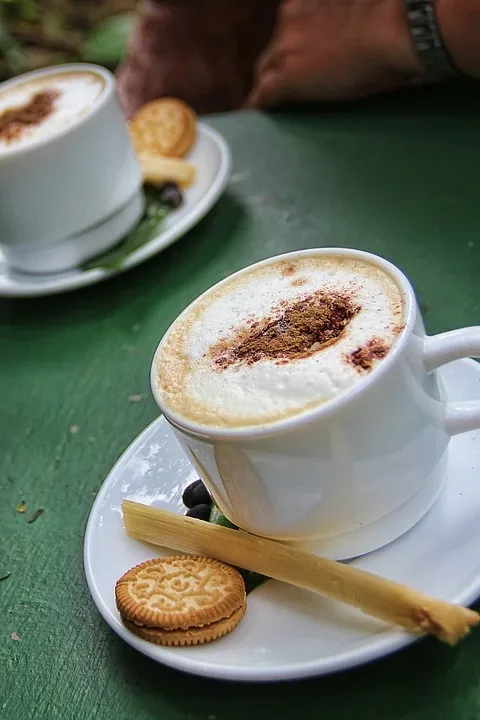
(72, 193)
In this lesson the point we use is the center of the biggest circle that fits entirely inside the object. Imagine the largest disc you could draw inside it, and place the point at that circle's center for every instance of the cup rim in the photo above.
(104, 96)
(314, 414)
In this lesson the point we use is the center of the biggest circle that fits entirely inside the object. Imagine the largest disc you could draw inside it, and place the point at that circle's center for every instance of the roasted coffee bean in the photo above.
(196, 494)
(171, 195)
(201, 512)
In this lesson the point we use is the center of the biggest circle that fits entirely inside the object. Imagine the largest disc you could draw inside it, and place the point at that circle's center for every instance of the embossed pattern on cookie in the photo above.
(179, 592)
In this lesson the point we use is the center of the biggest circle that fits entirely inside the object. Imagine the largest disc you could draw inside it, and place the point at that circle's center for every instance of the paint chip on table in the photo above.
(74, 429)
(14, 636)
(136, 398)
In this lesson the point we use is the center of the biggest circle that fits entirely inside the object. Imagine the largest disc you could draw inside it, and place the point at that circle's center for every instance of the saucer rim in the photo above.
(70, 280)
(381, 644)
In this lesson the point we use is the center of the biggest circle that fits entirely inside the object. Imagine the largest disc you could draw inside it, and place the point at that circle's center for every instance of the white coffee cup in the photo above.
(73, 194)
(351, 476)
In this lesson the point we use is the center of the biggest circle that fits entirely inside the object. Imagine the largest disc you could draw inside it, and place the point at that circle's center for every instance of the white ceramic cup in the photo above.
(74, 194)
(350, 476)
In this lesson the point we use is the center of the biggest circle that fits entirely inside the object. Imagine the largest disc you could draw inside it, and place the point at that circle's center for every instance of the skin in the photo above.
(460, 23)
(219, 55)
(327, 50)
(202, 51)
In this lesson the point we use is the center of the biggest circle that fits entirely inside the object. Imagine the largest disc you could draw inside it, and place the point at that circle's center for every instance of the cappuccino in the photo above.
(278, 340)
(40, 108)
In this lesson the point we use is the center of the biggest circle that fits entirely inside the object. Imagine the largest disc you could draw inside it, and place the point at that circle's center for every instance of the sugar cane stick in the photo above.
(157, 170)
(384, 599)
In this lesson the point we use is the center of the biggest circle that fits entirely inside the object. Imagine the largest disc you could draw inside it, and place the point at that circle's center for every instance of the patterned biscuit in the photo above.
(189, 636)
(166, 127)
(189, 137)
(179, 592)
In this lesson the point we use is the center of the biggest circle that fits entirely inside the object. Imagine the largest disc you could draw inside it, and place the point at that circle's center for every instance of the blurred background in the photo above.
(34, 34)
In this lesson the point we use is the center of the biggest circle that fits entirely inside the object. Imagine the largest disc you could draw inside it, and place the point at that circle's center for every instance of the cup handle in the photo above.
(442, 349)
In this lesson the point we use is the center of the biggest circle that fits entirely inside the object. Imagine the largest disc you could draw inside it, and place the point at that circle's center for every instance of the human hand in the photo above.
(325, 50)
(202, 51)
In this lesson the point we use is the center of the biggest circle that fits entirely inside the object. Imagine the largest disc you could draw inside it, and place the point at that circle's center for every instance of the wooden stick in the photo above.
(376, 596)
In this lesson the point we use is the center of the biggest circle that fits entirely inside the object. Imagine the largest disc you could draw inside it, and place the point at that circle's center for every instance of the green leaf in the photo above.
(107, 43)
(143, 233)
(251, 579)
(217, 518)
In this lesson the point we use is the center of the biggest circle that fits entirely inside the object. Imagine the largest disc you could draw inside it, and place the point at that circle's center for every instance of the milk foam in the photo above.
(194, 387)
(76, 93)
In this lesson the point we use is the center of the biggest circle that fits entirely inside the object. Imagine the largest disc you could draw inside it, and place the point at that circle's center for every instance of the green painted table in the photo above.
(397, 176)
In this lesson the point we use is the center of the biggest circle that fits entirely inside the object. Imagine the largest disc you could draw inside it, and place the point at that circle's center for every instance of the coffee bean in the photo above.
(196, 494)
(201, 512)
(171, 195)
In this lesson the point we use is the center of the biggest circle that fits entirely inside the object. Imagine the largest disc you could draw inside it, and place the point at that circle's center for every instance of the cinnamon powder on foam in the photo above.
(294, 330)
(14, 121)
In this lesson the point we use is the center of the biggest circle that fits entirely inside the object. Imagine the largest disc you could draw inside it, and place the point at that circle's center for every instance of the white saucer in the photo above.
(288, 633)
(212, 160)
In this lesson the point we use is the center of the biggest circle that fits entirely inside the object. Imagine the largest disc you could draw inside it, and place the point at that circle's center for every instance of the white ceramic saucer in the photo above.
(288, 633)
(212, 160)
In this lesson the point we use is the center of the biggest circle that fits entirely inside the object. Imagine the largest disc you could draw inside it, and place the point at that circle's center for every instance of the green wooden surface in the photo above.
(397, 176)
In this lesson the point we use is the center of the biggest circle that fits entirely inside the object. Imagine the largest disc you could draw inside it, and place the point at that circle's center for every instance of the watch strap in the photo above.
(428, 40)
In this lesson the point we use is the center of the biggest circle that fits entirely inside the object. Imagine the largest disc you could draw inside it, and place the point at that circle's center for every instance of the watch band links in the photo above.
(427, 36)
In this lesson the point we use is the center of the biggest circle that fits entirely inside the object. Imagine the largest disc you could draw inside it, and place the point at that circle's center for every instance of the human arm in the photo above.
(325, 50)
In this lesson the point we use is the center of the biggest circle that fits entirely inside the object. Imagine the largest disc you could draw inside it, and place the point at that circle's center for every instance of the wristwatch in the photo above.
(428, 40)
